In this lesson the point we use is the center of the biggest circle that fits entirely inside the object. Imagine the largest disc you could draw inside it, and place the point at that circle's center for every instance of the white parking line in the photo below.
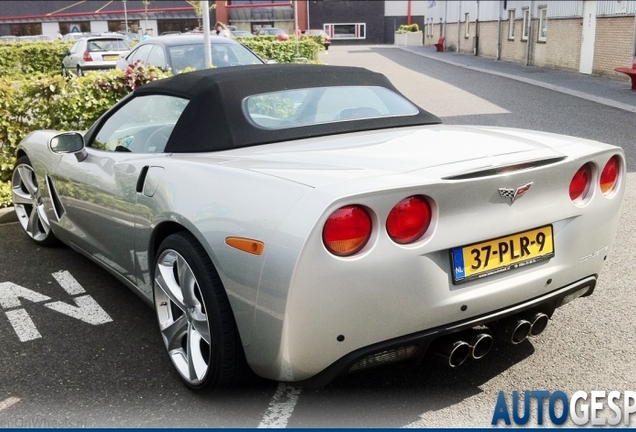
(8, 403)
(281, 407)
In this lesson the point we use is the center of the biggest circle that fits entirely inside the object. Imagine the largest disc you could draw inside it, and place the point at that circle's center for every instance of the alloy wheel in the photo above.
(182, 316)
(28, 205)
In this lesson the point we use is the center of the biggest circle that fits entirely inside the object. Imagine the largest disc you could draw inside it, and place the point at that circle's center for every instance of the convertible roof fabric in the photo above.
(214, 119)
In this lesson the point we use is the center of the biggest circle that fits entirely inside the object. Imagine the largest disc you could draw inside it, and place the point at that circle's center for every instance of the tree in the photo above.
(196, 4)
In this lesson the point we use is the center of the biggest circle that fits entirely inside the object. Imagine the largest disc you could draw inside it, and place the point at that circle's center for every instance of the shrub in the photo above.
(53, 102)
(405, 28)
(269, 48)
(25, 58)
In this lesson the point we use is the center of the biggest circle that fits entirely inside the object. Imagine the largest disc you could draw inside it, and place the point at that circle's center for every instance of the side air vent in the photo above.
(504, 169)
(55, 199)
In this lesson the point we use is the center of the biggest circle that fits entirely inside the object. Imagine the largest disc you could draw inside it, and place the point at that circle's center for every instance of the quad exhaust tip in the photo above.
(456, 349)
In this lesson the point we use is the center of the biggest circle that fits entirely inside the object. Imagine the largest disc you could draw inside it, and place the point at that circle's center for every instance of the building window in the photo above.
(526, 24)
(116, 26)
(467, 25)
(430, 27)
(81, 27)
(543, 23)
(441, 28)
(346, 31)
(511, 24)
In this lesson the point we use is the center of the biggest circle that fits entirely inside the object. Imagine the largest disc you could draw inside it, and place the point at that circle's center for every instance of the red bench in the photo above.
(440, 45)
(631, 72)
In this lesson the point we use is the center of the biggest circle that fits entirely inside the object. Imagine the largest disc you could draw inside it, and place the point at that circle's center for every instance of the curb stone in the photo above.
(7, 215)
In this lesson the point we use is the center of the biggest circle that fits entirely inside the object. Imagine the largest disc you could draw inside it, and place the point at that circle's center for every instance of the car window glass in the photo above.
(143, 125)
(157, 57)
(293, 108)
(107, 45)
(191, 56)
(140, 54)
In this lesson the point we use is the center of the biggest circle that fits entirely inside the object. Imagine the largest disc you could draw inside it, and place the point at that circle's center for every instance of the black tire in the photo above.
(27, 202)
(223, 358)
(80, 72)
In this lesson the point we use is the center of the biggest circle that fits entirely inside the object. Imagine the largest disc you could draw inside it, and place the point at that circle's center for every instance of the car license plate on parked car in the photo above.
(502, 254)
(111, 57)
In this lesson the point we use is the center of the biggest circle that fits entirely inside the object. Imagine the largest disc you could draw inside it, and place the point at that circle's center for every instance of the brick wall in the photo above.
(563, 44)
(613, 46)
(513, 50)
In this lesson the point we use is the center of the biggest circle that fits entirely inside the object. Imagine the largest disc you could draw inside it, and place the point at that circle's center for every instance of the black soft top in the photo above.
(214, 119)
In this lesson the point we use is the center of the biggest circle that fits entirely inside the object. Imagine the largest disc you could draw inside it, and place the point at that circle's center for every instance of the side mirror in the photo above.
(69, 142)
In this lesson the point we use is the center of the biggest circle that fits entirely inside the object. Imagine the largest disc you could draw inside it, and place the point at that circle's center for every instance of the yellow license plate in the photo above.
(502, 254)
(111, 57)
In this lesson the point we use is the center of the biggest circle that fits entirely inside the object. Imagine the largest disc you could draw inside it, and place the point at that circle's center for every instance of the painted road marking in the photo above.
(281, 407)
(8, 403)
(68, 282)
(23, 325)
(86, 309)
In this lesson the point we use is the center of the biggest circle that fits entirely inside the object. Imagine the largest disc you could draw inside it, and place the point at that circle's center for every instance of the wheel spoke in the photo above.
(197, 366)
(44, 220)
(26, 177)
(200, 324)
(174, 333)
(166, 282)
(186, 282)
(33, 226)
(21, 198)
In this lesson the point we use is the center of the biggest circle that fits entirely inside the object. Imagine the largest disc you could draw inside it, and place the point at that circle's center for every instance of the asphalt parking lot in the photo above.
(80, 349)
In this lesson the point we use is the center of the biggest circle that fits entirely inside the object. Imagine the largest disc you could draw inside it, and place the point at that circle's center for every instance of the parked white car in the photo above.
(94, 53)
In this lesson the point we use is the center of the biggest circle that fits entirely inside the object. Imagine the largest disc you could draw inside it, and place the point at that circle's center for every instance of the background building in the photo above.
(590, 36)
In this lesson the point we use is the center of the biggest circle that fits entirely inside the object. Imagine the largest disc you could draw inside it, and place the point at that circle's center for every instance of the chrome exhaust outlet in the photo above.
(480, 344)
(452, 352)
(512, 330)
(538, 322)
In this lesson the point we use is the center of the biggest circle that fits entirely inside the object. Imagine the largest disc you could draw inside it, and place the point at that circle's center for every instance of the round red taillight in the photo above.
(409, 219)
(347, 230)
(609, 175)
(580, 184)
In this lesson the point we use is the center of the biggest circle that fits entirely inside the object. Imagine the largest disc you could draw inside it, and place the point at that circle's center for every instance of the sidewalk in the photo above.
(610, 92)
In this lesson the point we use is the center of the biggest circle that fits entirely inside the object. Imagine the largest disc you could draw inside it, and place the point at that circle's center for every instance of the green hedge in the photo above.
(25, 58)
(269, 48)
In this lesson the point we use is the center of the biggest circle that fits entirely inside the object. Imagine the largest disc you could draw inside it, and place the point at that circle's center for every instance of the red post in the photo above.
(408, 12)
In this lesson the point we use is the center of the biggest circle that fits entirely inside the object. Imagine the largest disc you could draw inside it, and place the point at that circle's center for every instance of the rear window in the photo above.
(223, 55)
(305, 107)
(107, 45)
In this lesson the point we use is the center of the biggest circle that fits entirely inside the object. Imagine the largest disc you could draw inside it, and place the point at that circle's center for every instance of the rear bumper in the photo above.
(546, 303)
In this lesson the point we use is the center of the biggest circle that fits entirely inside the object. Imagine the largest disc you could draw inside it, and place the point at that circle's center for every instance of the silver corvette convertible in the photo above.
(301, 222)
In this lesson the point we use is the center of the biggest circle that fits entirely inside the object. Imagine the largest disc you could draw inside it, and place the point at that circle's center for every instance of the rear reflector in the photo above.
(580, 184)
(609, 176)
(409, 219)
(347, 230)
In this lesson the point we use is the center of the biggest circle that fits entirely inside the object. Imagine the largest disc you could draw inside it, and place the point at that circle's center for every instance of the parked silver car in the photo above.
(307, 221)
(94, 53)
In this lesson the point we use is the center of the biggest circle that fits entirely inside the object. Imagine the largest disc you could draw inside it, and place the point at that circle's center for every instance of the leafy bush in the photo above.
(269, 48)
(26, 58)
(405, 28)
(53, 102)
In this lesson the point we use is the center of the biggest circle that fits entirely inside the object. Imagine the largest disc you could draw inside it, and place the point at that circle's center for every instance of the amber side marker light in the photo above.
(251, 246)
(609, 175)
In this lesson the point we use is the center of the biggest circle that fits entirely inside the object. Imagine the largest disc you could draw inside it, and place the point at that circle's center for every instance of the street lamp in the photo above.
(125, 15)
